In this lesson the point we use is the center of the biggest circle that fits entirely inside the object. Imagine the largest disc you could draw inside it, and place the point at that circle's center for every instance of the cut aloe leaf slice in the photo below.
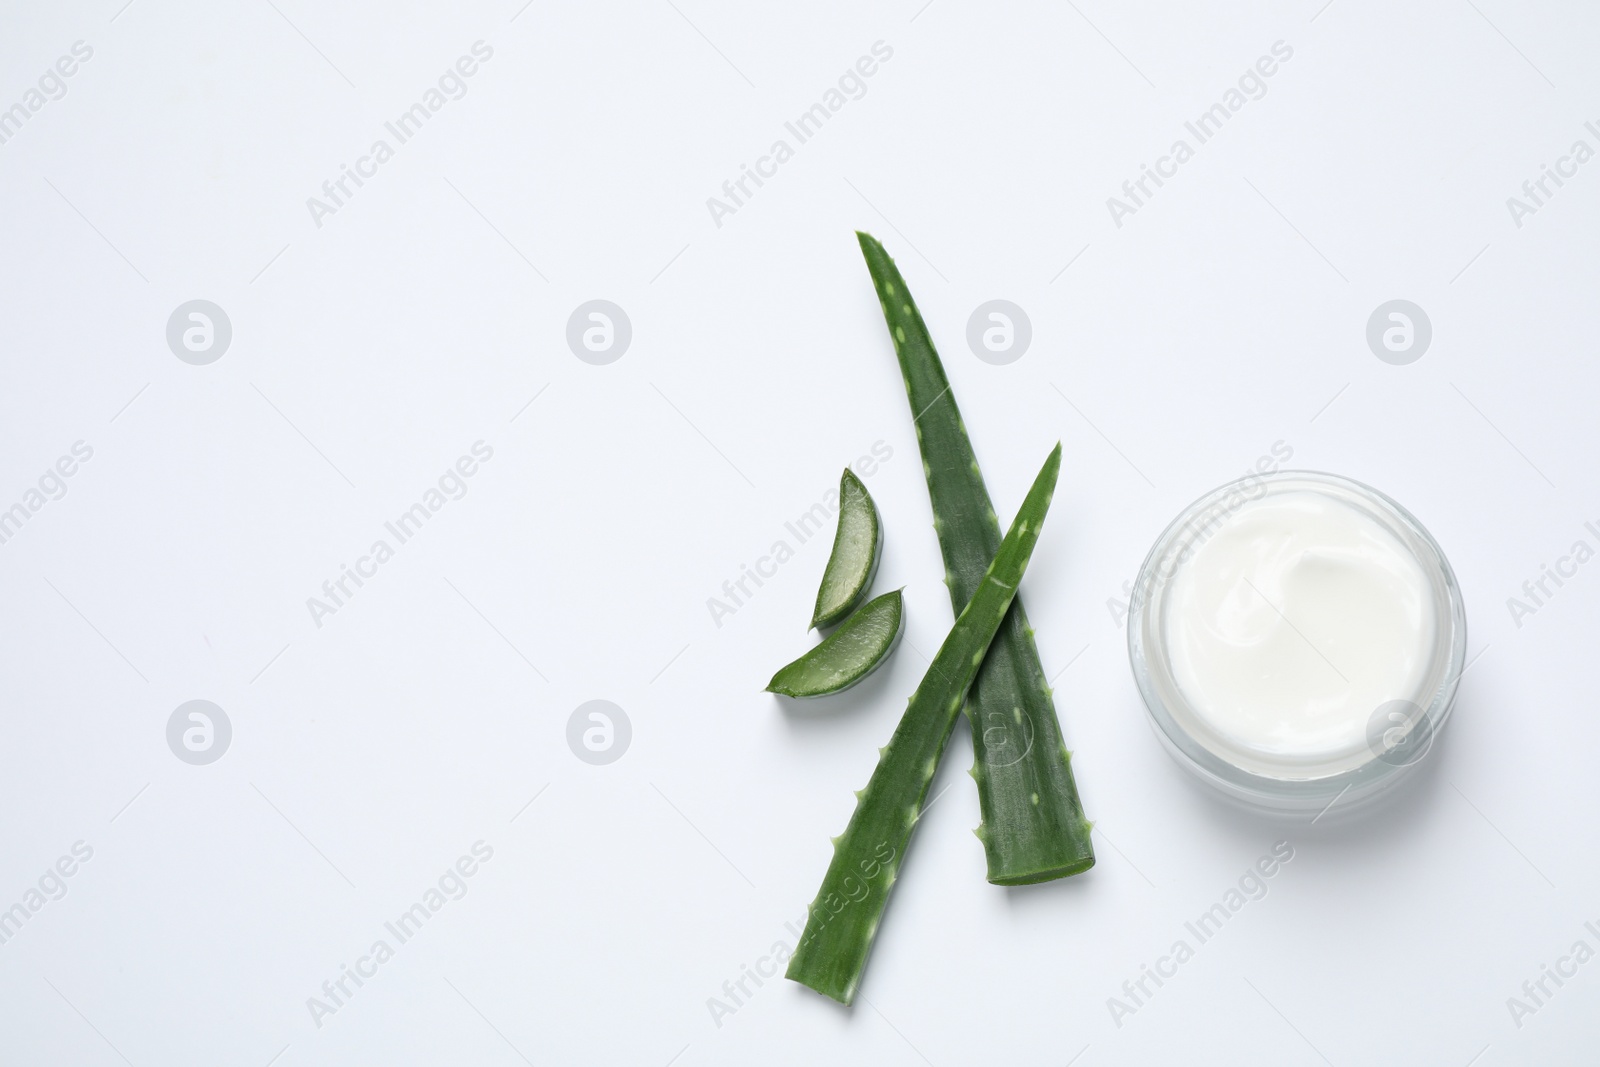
(857, 547)
(849, 654)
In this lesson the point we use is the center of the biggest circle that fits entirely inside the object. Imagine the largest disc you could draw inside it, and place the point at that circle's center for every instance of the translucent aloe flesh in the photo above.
(849, 654)
(1033, 825)
(857, 548)
(843, 919)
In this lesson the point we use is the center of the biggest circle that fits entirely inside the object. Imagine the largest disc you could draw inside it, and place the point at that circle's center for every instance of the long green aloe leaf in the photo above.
(844, 917)
(1033, 825)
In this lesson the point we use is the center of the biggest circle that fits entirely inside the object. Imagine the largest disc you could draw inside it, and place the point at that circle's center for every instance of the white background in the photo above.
(369, 353)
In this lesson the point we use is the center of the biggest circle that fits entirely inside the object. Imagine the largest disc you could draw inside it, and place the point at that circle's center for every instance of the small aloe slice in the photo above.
(843, 919)
(857, 547)
(848, 655)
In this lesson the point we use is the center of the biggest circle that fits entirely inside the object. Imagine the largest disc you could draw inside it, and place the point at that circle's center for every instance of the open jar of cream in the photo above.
(1298, 638)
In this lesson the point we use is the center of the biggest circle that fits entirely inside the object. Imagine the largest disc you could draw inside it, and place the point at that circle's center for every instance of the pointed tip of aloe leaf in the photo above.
(1051, 471)
(873, 252)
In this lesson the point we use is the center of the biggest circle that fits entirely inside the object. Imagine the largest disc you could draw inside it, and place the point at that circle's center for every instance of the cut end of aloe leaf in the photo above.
(857, 648)
(834, 983)
(857, 549)
(1035, 877)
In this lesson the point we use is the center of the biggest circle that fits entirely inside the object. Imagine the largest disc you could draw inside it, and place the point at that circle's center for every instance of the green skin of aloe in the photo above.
(849, 654)
(857, 548)
(1033, 825)
(843, 919)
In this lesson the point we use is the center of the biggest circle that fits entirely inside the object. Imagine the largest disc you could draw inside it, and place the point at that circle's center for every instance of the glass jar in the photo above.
(1263, 770)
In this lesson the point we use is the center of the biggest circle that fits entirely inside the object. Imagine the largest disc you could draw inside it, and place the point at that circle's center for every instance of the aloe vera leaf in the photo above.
(857, 548)
(848, 655)
(843, 919)
(1033, 826)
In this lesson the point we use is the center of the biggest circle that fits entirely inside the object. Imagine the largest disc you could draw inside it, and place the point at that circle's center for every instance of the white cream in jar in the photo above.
(1292, 634)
